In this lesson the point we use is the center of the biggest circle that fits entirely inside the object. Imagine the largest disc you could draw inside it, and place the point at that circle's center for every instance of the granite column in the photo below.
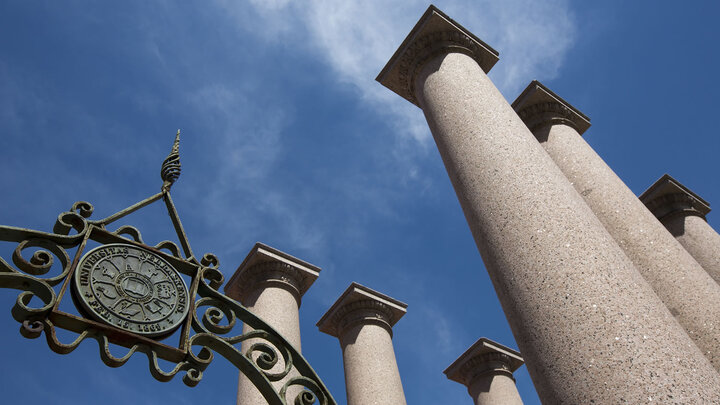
(486, 369)
(681, 283)
(683, 212)
(589, 326)
(362, 319)
(270, 284)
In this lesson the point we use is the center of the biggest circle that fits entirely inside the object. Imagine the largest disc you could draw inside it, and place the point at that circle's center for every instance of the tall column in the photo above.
(681, 283)
(486, 369)
(682, 212)
(362, 319)
(589, 326)
(270, 284)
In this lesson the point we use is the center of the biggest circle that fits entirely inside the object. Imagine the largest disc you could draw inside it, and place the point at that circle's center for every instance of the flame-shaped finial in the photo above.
(170, 170)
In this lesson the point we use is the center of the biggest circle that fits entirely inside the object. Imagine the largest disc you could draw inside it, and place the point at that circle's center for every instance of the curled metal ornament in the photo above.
(27, 276)
(267, 349)
(310, 394)
(170, 170)
(41, 262)
(305, 398)
(83, 208)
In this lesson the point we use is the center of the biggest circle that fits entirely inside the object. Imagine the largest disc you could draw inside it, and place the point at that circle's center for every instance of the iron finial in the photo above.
(170, 170)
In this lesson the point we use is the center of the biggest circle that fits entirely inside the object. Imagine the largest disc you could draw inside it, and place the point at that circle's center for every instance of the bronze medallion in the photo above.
(131, 288)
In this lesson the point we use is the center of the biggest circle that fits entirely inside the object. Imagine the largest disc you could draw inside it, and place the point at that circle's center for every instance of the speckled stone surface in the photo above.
(270, 283)
(493, 389)
(683, 212)
(699, 239)
(589, 326)
(486, 369)
(362, 320)
(681, 283)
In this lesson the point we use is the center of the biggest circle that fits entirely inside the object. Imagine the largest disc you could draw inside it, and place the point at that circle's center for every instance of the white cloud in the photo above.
(248, 136)
(356, 39)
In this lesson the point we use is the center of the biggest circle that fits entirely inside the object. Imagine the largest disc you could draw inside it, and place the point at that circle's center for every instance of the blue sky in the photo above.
(288, 140)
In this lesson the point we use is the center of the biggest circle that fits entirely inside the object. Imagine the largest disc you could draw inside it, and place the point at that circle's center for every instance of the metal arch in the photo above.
(201, 334)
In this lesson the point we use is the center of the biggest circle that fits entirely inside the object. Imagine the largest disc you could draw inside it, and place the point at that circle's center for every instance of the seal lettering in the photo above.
(132, 289)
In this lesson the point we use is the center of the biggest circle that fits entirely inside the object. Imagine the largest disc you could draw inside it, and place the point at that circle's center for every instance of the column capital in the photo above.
(266, 266)
(434, 34)
(668, 196)
(359, 304)
(537, 106)
(482, 358)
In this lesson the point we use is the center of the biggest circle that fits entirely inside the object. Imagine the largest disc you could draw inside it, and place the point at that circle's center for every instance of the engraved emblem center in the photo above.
(135, 286)
(131, 288)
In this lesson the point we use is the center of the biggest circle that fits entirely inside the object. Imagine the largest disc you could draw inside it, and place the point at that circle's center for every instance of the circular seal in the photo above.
(131, 288)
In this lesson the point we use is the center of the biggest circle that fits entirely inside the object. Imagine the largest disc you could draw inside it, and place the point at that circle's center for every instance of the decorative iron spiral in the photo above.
(170, 170)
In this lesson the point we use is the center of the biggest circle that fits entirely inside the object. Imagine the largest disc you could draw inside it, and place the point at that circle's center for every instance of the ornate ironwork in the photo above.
(208, 325)
(170, 170)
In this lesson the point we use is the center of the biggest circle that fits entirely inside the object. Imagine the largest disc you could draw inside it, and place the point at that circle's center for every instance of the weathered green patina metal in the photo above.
(206, 327)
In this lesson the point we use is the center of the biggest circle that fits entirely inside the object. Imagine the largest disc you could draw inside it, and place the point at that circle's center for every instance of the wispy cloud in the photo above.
(356, 39)
(353, 40)
(247, 132)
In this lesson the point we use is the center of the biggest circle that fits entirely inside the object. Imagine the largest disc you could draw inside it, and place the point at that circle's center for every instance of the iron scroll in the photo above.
(131, 294)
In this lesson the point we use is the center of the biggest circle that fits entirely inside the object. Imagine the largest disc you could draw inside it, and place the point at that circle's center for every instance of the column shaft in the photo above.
(371, 371)
(699, 239)
(271, 284)
(495, 388)
(279, 308)
(589, 326)
(681, 283)
(362, 319)
(683, 212)
(486, 369)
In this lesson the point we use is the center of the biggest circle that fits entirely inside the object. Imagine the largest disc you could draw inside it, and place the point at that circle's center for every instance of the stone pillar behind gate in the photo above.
(683, 213)
(362, 319)
(486, 369)
(270, 284)
(589, 326)
(681, 283)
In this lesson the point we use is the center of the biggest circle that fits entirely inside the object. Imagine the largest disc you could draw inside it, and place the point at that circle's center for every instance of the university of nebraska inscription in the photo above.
(131, 288)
